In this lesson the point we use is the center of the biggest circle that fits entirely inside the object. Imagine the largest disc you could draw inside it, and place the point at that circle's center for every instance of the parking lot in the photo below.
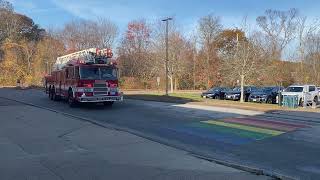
(292, 96)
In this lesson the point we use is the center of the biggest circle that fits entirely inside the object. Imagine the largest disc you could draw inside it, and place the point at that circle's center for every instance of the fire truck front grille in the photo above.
(100, 89)
(104, 89)
(100, 85)
(100, 93)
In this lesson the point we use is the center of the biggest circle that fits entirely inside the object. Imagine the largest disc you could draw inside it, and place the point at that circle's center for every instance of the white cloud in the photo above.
(77, 9)
(119, 12)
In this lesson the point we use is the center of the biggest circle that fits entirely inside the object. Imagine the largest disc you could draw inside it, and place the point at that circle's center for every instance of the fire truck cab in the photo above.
(88, 76)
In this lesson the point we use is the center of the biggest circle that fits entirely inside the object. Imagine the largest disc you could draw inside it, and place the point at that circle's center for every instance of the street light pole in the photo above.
(167, 53)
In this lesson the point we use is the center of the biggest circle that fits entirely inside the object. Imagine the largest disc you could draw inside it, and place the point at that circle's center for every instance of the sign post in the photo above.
(158, 83)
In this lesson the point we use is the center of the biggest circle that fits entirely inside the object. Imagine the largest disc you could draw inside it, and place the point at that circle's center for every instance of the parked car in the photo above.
(215, 93)
(265, 95)
(305, 93)
(235, 93)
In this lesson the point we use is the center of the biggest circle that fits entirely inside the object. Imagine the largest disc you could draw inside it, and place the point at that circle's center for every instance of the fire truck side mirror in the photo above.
(109, 55)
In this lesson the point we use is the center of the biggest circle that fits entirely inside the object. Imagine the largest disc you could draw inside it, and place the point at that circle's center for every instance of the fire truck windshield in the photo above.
(93, 73)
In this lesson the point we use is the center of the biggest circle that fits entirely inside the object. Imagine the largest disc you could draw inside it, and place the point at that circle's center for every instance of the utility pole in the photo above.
(167, 53)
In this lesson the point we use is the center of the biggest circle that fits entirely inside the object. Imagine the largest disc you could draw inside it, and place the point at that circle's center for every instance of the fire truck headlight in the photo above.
(80, 89)
(88, 90)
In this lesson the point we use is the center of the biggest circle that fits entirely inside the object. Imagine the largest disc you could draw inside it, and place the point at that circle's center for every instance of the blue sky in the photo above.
(55, 13)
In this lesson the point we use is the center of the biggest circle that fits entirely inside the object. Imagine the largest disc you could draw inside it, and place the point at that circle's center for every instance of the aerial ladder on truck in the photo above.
(87, 56)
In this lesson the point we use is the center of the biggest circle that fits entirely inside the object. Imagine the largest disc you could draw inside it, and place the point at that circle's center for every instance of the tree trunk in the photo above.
(194, 72)
(171, 84)
(242, 89)
(175, 84)
(29, 64)
(208, 69)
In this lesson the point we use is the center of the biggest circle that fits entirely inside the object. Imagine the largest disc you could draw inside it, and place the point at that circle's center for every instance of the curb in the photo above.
(252, 170)
(249, 169)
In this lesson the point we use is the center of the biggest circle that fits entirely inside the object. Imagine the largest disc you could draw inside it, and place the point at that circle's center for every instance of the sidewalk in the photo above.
(40, 144)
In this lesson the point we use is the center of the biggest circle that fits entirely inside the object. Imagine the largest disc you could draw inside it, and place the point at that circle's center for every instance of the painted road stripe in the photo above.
(244, 127)
(204, 133)
(238, 132)
(263, 124)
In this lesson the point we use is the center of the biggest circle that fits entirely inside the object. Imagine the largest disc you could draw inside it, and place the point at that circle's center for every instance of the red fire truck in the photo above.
(87, 76)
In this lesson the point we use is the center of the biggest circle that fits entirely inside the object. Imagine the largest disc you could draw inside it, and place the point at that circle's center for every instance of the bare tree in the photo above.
(193, 46)
(177, 64)
(6, 5)
(280, 28)
(244, 59)
(209, 28)
(82, 34)
(107, 31)
(307, 38)
(177, 42)
(312, 56)
(243, 63)
(28, 51)
(135, 54)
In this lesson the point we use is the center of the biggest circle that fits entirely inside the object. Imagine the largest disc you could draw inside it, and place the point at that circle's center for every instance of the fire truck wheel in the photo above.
(54, 96)
(300, 102)
(109, 103)
(51, 94)
(71, 101)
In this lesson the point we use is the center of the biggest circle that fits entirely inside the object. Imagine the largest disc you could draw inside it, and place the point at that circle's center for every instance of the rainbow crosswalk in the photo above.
(237, 131)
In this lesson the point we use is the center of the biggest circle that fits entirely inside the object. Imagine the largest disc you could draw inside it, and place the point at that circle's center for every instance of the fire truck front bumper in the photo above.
(100, 98)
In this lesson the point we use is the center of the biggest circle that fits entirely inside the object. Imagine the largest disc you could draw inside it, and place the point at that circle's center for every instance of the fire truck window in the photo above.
(108, 73)
(59, 76)
(90, 73)
(71, 72)
(67, 73)
(104, 73)
(312, 88)
(76, 72)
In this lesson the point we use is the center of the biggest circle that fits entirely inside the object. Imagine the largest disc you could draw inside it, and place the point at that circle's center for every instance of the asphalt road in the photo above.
(36, 143)
(282, 143)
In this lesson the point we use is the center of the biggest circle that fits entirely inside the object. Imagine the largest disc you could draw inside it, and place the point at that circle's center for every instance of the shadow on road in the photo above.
(161, 98)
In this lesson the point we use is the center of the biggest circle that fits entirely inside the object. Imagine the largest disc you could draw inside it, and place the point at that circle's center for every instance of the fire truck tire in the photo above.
(51, 93)
(55, 97)
(300, 102)
(71, 101)
(316, 100)
(109, 103)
